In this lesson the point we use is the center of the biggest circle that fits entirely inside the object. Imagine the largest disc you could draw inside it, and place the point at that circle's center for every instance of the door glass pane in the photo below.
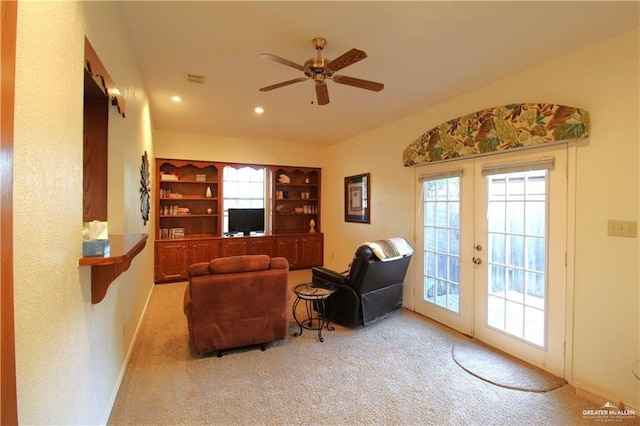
(430, 214)
(534, 331)
(442, 242)
(430, 290)
(497, 213)
(516, 264)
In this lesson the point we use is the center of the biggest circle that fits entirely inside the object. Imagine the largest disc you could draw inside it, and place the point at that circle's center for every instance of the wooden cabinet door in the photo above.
(172, 261)
(288, 247)
(261, 245)
(205, 251)
(311, 250)
(234, 247)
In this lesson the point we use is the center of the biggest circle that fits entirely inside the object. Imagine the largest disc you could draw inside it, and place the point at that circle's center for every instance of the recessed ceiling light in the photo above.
(258, 110)
(176, 98)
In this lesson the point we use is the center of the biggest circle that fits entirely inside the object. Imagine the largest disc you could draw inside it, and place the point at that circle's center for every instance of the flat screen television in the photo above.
(246, 221)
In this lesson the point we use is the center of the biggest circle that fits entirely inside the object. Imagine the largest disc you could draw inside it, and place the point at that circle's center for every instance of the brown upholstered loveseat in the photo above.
(237, 301)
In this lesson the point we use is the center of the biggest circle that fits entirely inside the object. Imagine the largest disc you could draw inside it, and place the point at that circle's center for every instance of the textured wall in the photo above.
(233, 150)
(71, 354)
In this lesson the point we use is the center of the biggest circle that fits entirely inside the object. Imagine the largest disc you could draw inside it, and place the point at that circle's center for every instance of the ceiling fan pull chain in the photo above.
(312, 93)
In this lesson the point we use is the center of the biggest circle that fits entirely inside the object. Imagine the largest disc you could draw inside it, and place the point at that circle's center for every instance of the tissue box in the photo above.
(95, 248)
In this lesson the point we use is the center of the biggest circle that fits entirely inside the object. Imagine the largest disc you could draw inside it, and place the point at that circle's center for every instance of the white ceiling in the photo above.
(424, 53)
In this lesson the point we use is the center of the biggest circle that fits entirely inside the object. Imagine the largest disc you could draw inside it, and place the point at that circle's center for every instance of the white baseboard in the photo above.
(600, 400)
(123, 369)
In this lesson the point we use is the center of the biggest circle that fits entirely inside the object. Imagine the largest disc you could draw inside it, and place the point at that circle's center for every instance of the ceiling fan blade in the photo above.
(322, 93)
(282, 61)
(358, 82)
(284, 83)
(346, 59)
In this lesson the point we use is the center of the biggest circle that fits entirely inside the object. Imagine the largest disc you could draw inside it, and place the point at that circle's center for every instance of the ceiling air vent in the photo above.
(195, 80)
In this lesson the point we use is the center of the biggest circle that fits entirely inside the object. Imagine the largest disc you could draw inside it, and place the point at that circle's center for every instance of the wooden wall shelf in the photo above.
(105, 269)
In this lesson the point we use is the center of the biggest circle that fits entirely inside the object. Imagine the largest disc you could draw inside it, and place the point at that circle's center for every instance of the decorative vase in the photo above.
(208, 193)
(312, 226)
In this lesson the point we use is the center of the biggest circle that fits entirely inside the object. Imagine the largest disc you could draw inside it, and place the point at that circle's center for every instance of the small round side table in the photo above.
(314, 320)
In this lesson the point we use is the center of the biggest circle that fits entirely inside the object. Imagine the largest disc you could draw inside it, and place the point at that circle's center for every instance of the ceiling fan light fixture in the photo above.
(315, 66)
(320, 69)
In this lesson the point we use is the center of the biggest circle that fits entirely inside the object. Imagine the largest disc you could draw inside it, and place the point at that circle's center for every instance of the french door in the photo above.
(492, 234)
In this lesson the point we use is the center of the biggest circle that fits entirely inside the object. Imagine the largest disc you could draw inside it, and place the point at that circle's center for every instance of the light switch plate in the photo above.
(622, 228)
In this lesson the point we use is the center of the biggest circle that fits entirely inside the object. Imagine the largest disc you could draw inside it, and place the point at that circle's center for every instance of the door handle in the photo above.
(477, 260)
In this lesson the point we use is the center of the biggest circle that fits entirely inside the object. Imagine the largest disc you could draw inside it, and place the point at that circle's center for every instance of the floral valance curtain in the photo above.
(497, 129)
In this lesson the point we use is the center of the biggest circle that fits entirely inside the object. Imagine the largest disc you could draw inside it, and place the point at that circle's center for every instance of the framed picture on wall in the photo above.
(357, 198)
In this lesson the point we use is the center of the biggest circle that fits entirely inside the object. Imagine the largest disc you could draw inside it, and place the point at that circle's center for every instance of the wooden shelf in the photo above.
(301, 192)
(201, 182)
(190, 237)
(301, 231)
(105, 269)
(191, 198)
(181, 216)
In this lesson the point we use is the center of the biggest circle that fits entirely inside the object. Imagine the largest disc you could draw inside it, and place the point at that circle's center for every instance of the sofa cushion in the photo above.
(234, 264)
(279, 263)
(201, 268)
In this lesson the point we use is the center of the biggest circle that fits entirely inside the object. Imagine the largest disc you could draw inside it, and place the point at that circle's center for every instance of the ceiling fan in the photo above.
(320, 69)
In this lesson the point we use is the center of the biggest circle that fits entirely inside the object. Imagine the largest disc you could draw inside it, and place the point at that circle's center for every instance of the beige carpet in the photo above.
(398, 371)
(502, 369)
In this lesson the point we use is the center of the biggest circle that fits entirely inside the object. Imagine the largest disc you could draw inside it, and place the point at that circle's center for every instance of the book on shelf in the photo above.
(172, 233)
(174, 210)
(168, 177)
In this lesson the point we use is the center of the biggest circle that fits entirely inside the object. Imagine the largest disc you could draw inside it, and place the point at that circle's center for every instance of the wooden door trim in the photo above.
(8, 398)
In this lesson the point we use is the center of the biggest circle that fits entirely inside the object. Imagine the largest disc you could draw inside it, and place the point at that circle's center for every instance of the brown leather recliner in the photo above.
(372, 287)
(237, 301)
